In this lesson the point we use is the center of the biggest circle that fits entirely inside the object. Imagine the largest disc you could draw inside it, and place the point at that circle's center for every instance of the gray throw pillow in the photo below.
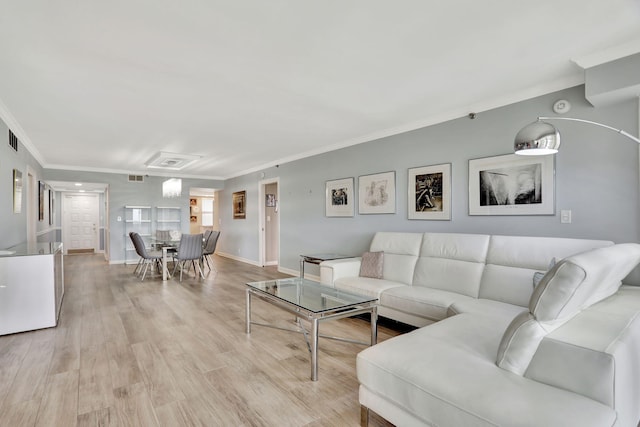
(538, 275)
(371, 265)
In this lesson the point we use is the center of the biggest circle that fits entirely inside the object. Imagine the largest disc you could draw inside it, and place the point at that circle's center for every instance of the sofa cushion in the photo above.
(365, 285)
(429, 303)
(371, 265)
(487, 307)
(571, 285)
(445, 375)
(451, 262)
(400, 254)
(512, 261)
(582, 280)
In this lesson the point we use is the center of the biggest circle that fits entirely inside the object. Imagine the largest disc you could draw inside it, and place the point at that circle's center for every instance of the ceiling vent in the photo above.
(136, 178)
(171, 161)
(13, 141)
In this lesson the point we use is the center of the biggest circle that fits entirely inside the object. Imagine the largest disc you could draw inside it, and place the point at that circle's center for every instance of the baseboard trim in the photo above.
(237, 258)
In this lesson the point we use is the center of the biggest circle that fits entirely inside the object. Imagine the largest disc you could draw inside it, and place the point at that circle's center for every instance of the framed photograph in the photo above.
(339, 198)
(377, 193)
(512, 185)
(17, 191)
(41, 201)
(430, 192)
(51, 207)
(240, 205)
(271, 200)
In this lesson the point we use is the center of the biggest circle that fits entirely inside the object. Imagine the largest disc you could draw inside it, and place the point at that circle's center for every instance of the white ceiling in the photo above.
(249, 84)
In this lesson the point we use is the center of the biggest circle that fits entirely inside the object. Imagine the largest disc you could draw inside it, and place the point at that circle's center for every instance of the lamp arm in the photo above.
(620, 131)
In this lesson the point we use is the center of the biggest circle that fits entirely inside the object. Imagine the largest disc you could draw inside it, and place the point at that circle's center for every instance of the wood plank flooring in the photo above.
(131, 353)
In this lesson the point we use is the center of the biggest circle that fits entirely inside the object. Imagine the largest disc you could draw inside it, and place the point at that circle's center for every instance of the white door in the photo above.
(80, 222)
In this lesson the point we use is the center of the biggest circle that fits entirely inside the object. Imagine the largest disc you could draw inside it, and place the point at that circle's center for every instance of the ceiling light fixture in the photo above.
(541, 138)
(170, 161)
(172, 188)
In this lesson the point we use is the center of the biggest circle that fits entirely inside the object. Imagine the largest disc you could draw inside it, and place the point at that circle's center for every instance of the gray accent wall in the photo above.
(596, 178)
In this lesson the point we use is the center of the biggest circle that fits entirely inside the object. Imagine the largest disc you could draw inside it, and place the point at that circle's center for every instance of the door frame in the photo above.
(65, 226)
(262, 241)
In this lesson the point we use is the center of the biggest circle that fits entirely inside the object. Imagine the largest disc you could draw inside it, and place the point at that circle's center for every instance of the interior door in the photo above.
(80, 222)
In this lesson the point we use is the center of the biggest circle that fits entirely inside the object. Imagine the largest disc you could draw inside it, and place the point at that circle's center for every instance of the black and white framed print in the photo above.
(377, 193)
(339, 198)
(429, 190)
(512, 185)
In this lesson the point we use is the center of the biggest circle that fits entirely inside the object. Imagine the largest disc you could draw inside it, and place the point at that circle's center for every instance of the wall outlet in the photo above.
(119, 219)
(565, 217)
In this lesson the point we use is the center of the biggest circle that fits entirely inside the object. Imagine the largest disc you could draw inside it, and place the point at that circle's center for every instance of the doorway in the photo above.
(80, 216)
(269, 203)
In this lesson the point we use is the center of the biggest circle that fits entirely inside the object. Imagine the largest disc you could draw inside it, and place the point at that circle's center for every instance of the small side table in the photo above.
(317, 259)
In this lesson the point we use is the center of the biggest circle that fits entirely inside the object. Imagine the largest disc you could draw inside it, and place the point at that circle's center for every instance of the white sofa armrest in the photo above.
(338, 268)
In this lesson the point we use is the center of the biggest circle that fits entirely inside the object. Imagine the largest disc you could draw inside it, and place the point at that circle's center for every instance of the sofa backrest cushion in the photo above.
(582, 280)
(452, 262)
(572, 285)
(513, 260)
(401, 252)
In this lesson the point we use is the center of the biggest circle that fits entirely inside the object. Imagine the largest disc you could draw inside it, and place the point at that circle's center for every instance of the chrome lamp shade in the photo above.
(536, 139)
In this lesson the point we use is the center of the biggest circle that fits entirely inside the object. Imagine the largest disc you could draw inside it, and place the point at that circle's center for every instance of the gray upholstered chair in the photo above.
(207, 234)
(146, 258)
(209, 249)
(190, 249)
(140, 260)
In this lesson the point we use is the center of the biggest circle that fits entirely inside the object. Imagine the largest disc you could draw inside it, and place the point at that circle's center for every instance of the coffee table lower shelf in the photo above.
(314, 317)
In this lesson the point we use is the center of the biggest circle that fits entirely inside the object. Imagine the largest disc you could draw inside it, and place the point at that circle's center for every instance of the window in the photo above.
(207, 212)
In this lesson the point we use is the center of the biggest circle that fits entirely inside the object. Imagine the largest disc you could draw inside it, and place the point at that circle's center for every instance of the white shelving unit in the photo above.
(138, 219)
(168, 218)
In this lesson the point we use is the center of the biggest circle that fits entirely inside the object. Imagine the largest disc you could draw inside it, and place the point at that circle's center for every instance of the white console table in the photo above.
(31, 287)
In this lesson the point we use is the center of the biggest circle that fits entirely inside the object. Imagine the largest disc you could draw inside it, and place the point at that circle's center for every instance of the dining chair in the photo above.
(140, 259)
(146, 258)
(207, 234)
(190, 249)
(209, 249)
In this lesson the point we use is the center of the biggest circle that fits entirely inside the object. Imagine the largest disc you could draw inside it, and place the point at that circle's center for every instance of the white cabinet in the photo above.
(31, 287)
(137, 219)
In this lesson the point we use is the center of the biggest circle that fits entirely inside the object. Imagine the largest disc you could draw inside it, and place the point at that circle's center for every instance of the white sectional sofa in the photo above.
(494, 349)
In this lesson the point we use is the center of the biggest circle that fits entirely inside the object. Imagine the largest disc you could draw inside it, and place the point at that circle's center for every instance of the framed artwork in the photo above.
(430, 192)
(271, 200)
(239, 205)
(339, 198)
(41, 201)
(17, 191)
(512, 185)
(377, 193)
(51, 207)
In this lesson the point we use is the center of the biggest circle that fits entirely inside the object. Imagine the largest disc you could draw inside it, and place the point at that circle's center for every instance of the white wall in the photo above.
(596, 178)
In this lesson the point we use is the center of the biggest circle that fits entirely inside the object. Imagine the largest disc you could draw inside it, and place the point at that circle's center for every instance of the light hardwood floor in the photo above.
(131, 353)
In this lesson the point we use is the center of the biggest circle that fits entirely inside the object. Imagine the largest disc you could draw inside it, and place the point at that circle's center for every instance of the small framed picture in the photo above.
(430, 192)
(339, 198)
(41, 188)
(512, 185)
(239, 205)
(271, 200)
(377, 193)
(17, 191)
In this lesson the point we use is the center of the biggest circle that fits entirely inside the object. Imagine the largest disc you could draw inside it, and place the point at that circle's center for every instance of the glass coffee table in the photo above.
(314, 302)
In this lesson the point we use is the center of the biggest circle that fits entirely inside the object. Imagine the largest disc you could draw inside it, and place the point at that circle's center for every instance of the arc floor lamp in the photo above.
(540, 138)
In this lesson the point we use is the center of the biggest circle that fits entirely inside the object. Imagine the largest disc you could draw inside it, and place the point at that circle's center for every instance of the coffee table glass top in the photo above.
(310, 295)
